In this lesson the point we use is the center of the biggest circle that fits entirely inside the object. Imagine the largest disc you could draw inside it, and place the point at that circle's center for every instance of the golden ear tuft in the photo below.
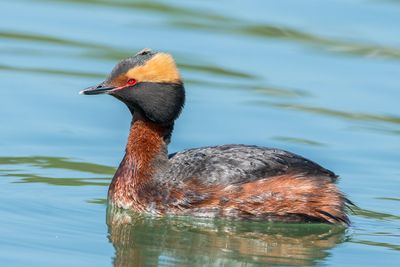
(160, 68)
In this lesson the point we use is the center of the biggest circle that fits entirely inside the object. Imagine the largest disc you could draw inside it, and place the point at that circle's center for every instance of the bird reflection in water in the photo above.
(152, 241)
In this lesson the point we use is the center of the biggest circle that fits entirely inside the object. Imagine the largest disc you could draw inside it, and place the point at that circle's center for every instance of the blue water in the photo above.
(319, 78)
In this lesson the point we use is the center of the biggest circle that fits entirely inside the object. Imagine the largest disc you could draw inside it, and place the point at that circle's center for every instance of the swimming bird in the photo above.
(230, 181)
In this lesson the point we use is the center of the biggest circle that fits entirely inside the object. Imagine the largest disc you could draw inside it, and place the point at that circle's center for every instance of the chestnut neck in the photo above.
(146, 140)
(145, 154)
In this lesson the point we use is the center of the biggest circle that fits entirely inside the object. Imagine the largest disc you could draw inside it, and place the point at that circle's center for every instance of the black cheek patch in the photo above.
(160, 102)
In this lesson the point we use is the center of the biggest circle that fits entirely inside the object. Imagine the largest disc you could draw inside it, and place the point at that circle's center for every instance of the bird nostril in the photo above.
(99, 86)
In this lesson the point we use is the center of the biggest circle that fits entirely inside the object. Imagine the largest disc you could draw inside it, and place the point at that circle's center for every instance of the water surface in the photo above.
(319, 78)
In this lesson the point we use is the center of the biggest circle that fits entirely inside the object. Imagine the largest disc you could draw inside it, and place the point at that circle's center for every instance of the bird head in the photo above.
(149, 83)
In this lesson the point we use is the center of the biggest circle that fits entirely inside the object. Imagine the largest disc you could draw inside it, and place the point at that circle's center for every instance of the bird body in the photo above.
(233, 181)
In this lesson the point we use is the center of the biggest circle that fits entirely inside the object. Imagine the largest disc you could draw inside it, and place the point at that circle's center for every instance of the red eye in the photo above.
(131, 82)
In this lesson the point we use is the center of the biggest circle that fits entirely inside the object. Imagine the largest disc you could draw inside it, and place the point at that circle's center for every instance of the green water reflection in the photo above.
(216, 22)
(58, 163)
(357, 116)
(151, 241)
(28, 37)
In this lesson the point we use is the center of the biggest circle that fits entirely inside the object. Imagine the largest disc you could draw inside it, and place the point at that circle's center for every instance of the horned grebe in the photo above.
(232, 181)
